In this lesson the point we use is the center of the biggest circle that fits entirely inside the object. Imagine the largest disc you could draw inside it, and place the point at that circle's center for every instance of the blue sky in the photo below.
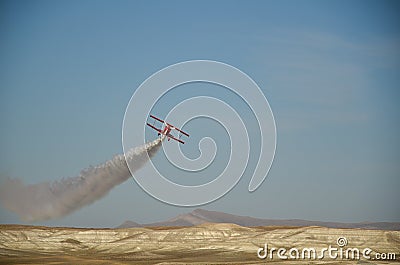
(330, 70)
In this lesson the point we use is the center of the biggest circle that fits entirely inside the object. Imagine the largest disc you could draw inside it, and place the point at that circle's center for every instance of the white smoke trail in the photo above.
(50, 200)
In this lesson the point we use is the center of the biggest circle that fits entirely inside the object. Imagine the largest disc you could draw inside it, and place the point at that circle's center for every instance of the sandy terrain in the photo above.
(203, 244)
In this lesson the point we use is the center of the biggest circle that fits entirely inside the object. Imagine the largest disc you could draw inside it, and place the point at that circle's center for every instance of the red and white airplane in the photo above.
(166, 130)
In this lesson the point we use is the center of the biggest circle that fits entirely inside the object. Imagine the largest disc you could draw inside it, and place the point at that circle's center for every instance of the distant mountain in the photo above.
(200, 216)
(129, 224)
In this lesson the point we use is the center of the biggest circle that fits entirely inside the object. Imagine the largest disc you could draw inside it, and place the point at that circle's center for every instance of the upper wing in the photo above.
(179, 130)
(154, 117)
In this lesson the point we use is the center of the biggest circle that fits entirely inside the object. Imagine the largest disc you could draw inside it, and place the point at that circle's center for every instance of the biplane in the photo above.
(166, 129)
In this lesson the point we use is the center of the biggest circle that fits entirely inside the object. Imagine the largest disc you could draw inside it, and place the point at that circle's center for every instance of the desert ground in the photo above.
(203, 244)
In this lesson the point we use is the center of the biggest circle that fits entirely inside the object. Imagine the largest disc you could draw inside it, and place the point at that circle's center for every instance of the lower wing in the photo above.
(155, 128)
(176, 139)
